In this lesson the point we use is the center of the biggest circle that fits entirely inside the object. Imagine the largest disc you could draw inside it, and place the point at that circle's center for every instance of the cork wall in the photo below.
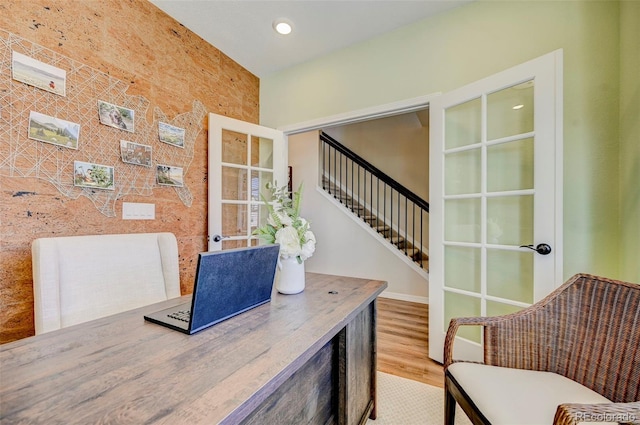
(160, 60)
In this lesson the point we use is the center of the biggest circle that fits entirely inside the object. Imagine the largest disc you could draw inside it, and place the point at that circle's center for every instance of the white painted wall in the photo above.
(397, 145)
(343, 247)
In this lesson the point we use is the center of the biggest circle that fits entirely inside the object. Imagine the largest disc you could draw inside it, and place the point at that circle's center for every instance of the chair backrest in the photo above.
(587, 330)
(81, 278)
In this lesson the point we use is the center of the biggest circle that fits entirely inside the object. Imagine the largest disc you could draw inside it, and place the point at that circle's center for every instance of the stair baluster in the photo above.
(370, 203)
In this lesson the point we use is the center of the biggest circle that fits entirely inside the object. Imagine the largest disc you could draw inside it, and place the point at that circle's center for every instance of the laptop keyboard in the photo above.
(182, 315)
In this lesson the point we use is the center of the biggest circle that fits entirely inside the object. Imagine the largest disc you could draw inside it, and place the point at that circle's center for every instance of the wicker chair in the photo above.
(575, 354)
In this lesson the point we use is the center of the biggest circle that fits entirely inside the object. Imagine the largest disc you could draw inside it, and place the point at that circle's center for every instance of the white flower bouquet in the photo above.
(285, 226)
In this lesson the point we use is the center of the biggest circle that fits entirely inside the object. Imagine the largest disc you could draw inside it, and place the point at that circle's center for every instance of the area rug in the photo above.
(405, 402)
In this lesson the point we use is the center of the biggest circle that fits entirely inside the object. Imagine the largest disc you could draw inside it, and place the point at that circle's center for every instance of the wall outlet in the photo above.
(138, 211)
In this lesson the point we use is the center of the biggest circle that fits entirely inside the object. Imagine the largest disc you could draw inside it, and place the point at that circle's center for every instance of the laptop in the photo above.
(227, 283)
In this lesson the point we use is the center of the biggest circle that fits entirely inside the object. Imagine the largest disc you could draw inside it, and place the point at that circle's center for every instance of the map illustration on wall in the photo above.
(22, 156)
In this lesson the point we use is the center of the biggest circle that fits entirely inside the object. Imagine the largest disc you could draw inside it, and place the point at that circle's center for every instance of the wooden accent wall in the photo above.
(160, 59)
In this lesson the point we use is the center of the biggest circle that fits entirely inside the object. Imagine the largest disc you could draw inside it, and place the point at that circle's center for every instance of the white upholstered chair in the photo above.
(81, 278)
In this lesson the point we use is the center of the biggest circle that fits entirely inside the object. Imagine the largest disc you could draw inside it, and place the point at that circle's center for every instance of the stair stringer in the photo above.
(378, 236)
(343, 190)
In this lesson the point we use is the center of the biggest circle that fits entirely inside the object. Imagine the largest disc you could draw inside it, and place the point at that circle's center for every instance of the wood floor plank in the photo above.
(403, 342)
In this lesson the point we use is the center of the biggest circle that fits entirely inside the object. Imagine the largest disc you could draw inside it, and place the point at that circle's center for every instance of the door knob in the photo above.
(542, 249)
(218, 238)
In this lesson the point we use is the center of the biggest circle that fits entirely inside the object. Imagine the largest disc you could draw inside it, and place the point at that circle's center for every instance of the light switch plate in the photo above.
(138, 211)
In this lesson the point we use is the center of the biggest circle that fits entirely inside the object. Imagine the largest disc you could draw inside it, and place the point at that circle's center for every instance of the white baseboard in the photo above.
(404, 297)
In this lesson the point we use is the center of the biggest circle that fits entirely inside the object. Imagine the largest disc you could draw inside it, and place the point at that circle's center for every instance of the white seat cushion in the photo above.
(515, 396)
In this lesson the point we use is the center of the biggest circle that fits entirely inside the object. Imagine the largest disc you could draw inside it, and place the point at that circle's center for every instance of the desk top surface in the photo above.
(122, 369)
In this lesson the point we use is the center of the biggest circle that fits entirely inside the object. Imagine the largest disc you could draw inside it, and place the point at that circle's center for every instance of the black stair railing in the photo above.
(398, 214)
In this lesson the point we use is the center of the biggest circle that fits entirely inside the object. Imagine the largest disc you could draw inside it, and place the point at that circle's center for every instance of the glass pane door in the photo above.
(243, 158)
(488, 208)
(496, 178)
(247, 165)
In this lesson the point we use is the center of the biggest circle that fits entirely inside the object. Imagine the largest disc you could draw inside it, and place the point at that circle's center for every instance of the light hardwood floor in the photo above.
(403, 342)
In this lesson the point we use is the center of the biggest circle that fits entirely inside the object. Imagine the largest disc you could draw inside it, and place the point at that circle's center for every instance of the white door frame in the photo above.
(366, 114)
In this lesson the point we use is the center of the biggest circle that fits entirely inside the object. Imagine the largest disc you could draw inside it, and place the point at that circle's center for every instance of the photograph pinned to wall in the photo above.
(116, 116)
(96, 176)
(135, 153)
(171, 134)
(45, 128)
(168, 175)
(38, 74)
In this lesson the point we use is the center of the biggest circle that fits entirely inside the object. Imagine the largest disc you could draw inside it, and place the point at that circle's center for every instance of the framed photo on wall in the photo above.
(171, 134)
(96, 176)
(48, 129)
(168, 175)
(135, 153)
(116, 116)
(38, 74)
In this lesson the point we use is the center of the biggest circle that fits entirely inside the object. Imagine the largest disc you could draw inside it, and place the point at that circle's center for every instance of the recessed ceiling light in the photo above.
(282, 26)
(518, 106)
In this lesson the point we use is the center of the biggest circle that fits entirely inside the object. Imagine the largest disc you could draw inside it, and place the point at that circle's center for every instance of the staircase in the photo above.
(390, 209)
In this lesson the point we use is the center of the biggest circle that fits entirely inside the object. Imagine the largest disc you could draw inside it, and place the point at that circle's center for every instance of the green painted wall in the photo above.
(630, 140)
(477, 40)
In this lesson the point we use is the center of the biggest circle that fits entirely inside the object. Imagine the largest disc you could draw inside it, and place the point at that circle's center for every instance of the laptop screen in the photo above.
(230, 282)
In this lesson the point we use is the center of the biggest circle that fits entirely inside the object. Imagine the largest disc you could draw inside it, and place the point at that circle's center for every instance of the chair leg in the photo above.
(449, 407)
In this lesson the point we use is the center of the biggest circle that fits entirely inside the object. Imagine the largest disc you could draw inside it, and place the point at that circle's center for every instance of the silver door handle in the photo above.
(218, 238)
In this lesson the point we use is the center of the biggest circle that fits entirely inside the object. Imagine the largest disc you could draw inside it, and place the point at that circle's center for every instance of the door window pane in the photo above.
(462, 172)
(462, 222)
(259, 180)
(462, 124)
(462, 268)
(510, 220)
(234, 147)
(510, 111)
(259, 215)
(458, 305)
(234, 220)
(234, 184)
(227, 244)
(261, 152)
(510, 275)
(510, 166)
(500, 309)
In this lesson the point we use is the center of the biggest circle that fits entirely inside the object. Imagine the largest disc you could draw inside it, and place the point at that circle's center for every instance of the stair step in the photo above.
(411, 252)
(381, 228)
(396, 240)
(373, 221)
(418, 259)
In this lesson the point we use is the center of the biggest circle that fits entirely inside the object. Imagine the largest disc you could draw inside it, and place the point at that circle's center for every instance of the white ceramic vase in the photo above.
(290, 276)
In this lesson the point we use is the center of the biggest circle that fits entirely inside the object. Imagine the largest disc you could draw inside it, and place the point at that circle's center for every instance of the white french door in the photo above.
(496, 186)
(243, 157)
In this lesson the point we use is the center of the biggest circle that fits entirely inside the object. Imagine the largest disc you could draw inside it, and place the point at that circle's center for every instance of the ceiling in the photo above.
(242, 29)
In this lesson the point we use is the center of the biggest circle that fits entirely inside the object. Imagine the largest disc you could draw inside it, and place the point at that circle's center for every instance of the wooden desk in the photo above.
(306, 358)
